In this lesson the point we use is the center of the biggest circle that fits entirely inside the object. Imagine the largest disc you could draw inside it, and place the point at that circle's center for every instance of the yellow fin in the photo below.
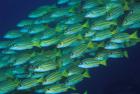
(58, 53)
(126, 54)
(114, 22)
(72, 10)
(79, 37)
(102, 44)
(65, 74)
(73, 88)
(126, 6)
(114, 32)
(86, 24)
(138, 40)
(134, 35)
(90, 45)
(40, 79)
(86, 74)
(85, 92)
(36, 44)
(104, 63)
(33, 54)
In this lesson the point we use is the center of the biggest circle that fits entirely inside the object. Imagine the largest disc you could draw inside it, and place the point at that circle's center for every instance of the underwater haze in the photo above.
(120, 76)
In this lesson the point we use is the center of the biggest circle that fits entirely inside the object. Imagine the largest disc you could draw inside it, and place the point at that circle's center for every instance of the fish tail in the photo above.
(126, 54)
(86, 24)
(104, 63)
(90, 45)
(138, 40)
(65, 73)
(86, 92)
(40, 79)
(134, 35)
(126, 5)
(58, 53)
(102, 44)
(79, 36)
(72, 87)
(36, 44)
(86, 74)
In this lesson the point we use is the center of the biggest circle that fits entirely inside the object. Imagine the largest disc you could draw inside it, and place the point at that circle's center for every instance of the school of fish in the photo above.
(55, 47)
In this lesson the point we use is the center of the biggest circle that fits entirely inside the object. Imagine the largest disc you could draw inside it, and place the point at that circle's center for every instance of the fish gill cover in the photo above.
(54, 49)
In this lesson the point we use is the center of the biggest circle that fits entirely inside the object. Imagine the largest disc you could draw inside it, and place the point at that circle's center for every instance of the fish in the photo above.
(74, 19)
(53, 77)
(45, 66)
(115, 13)
(28, 83)
(135, 26)
(23, 76)
(102, 25)
(132, 42)
(5, 63)
(5, 44)
(37, 75)
(74, 79)
(21, 44)
(42, 56)
(55, 46)
(103, 35)
(73, 70)
(61, 13)
(131, 19)
(85, 92)
(89, 4)
(96, 12)
(68, 41)
(49, 42)
(90, 33)
(60, 27)
(23, 58)
(112, 46)
(49, 33)
(6, 74)
(73, 2)
(101, 56)
(19, 70)
(57, 88)
(76, 28)
(124, 37)
(79, 50)
(117, 54)
(8, 51)
(39, 12)
(114, 4)
(65, 61)
(62, 1)
(12, 34)
(135, 9)
(91, 63)
(8, 85)
(25, 23)
(45, 19)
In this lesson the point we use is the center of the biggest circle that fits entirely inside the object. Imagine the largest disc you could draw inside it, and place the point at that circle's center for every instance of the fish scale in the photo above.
(55, 46)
